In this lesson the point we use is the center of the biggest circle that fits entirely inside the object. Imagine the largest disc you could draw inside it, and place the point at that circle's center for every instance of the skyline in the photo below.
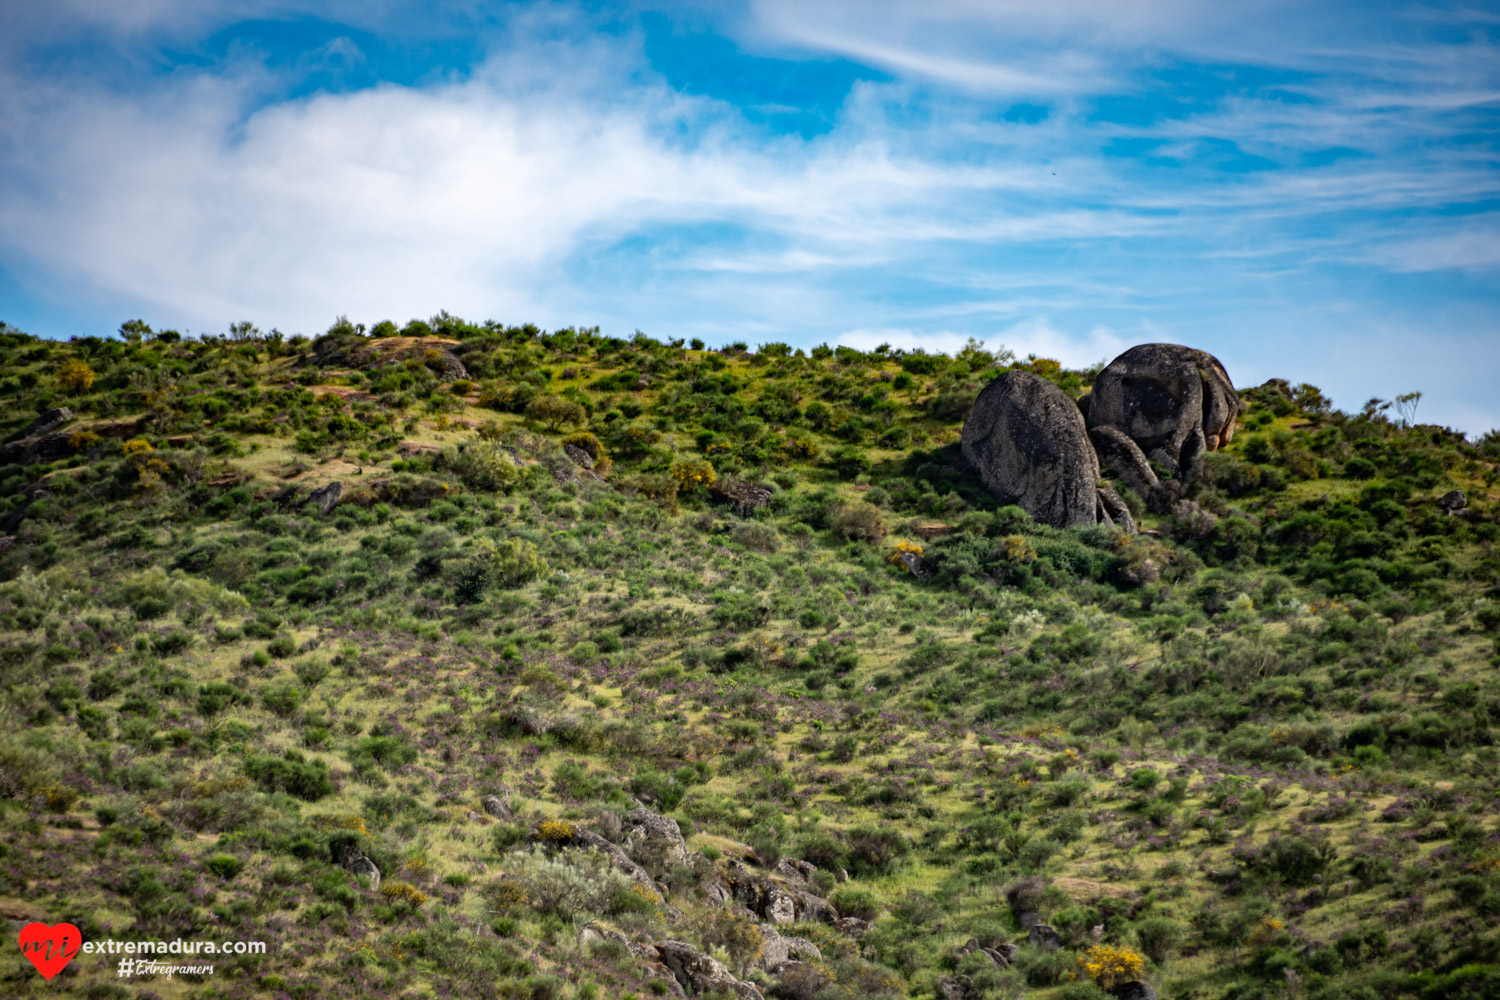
(1306, 193)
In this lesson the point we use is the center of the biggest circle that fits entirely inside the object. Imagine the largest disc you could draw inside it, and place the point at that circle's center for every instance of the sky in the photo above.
(1308, 190)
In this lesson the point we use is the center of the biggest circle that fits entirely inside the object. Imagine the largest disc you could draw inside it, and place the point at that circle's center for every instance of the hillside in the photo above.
(609, 667)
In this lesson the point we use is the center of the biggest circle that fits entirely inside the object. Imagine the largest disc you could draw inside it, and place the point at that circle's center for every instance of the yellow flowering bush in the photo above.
(691, 475)
(1110, 966)
(137, 446)
(556, 830)
(1017, 549)
(901, 549)
(403, 892)
(75, 376)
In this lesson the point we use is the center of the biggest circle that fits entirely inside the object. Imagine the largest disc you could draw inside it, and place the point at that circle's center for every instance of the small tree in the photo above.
(554, 411)
(75, 377)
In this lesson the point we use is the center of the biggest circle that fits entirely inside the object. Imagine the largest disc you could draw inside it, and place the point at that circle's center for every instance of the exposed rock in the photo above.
(797, 871)
(853, 926)
(1277, 386)
(780, 907)
(359, 865)
(617, 857)
(744, 498)
(1031, 447)
(1001, 955)
(1452, 501)
(1174, 402)
(700, 973)
(1045, 936)
(915, 564)
(956, 988)
(1113, 510)
(642, 826)
(497, 805)
(778, 949)
(1028, 919)
(578, 456)
(1123, 457)
(1134, 990)
(326, 497)
(48, 422)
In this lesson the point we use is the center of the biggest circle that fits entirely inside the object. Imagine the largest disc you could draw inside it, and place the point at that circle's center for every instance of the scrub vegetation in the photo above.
(1248, 752)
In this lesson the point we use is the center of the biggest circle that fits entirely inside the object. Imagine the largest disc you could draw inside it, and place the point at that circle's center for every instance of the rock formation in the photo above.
(1031, 447)
(1174, 402)
(1155, 403)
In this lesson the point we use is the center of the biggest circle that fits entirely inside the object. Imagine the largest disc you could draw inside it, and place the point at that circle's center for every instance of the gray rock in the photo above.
(956, 988)
(644, 827)
(48, 422)
(744, 498)
(1453, 500)
(701, 973)
(579, 457)
(1174, 402)
(1135, 990)
(1031, 447)
(326, 497)
(359, 865)
(497, 805)
(1113, 510)
(1121, 456)
(1028, 919)
(1045, 936)
(853, 926)
(780, 907)
(621, 860)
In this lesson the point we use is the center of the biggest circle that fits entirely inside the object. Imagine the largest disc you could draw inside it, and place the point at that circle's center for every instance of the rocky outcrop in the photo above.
(1453, 501)
(497, 805)
(699, 973)
(578, 456)
(655, 835)
(744, 498)
(1123, 458)
(360, 866)
(1113, 510)
(1031, 447)
(781, 902)
(1174, 402)
(1044, 936)
(48, 422)
(325, 497)
(1136, 989)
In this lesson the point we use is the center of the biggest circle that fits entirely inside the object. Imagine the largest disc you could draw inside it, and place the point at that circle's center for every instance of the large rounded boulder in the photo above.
(1174, 402)
(1030, 444)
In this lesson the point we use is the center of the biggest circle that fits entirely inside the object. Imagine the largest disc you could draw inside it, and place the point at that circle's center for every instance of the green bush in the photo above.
(291, 773)
(226, 866)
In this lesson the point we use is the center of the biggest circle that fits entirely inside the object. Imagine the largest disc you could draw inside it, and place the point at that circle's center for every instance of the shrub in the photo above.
(693, 475)
(1110, 966)
(290, 773)
(281, 700)
(75, 377)
(554, 411)
(852, 902)
(1157, 937)
(226, 866)
(876, 850)
(858, 520)
(573, 884)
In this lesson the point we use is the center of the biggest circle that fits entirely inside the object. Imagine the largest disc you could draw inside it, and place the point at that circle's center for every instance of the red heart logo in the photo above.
(50, 948)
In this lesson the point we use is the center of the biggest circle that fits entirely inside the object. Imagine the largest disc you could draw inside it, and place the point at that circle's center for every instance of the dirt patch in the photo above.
(1082, 888)
(341, 391)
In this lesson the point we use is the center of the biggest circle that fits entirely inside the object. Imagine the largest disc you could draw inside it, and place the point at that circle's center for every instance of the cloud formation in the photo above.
(1065, 178)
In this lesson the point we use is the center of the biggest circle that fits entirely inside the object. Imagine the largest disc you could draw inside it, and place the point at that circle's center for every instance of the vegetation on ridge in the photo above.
(1248, 752)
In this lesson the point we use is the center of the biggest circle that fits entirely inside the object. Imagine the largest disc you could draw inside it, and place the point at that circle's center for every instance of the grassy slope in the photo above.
(1000, 729)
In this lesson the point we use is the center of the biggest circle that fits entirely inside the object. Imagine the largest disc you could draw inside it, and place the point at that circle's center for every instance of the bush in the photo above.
(291, 773)
(876, 850)
(226, 866)
(573, 884)
(1157, 937)
(852, 902)
(858, 520)
(281, 700)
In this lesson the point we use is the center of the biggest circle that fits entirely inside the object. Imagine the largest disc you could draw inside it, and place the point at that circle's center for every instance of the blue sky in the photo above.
(1309, 190)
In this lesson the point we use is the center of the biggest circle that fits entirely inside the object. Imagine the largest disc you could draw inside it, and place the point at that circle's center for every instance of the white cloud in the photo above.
(1034, 336)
